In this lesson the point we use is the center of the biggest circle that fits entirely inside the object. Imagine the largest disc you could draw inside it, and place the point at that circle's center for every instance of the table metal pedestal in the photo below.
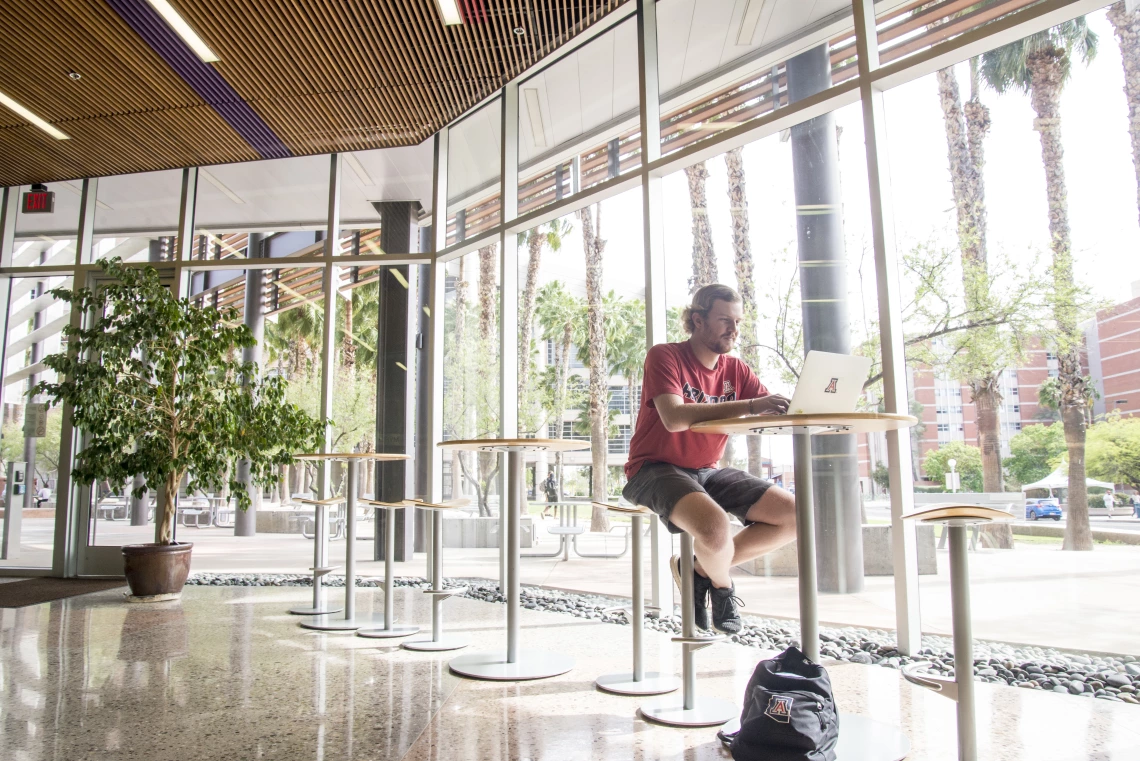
(514, 663)
(320, 569)
(439, 641)
(389, 628)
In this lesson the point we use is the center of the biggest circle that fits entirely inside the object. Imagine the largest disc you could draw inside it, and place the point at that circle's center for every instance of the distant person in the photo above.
(43, 494)
(1108, 503)
(550, 486)
(1136, 505)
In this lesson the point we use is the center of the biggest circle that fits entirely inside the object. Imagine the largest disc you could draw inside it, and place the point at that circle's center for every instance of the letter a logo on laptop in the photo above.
(780, 709)
(831, 387)
(818, 389)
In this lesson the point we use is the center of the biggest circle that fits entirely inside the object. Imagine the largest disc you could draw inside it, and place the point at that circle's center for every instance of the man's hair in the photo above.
(703, 301)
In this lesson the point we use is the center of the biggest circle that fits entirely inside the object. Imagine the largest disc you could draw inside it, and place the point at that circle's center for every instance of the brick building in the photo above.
(1113, 341)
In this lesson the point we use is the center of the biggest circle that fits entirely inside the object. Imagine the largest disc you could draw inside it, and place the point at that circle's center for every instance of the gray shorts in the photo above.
(660, 486)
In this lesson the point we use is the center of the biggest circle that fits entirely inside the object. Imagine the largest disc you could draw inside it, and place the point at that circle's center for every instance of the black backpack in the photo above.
(789, 713)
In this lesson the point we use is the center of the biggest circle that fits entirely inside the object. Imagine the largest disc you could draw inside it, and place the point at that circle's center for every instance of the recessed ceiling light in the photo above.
(449, 10)
(520, 31)
(28, 115)
(749, 21)
(74, 75)
(183, 30)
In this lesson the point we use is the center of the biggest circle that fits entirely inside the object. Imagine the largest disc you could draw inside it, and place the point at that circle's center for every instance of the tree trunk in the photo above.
(599, 366)
(977, 127)
(704, 260)
(745, 280)
(165, 510)
(349, 347)
(534, 244)
(1046, 80)
(487, 292)
(962, 175)
(1127, 29)
(986, 401)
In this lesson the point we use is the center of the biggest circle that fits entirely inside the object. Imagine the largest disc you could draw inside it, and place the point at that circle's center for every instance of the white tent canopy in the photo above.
(1060, 480)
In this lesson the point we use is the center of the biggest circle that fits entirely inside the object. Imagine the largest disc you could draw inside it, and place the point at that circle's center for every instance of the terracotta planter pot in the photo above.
(156, 569)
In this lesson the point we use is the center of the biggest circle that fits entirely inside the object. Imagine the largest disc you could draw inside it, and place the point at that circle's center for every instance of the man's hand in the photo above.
(773, 404)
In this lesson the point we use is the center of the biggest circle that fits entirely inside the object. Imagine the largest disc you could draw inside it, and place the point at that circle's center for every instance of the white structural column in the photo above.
(661, 544)
(436, 285)
(904, 541)
(508, 301)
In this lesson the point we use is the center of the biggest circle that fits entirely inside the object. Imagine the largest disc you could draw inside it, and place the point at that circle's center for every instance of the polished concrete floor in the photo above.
(225, 673)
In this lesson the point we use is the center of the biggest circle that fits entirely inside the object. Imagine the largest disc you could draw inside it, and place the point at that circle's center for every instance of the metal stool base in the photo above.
(864, 739)
(332, 624)
(652, 683)
(706, 712)
(388, 633)
(530, 664)
(433, 646)
(314, 611)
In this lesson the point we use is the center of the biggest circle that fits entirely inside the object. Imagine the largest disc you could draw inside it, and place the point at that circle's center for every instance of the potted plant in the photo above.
(156, 388)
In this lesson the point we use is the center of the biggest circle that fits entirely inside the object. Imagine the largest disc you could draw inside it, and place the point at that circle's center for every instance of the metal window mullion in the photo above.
(9, 207)
(508, 298)
(436, 284)
(904, 538)
(328, 332)
(186, 212)
(653, 242)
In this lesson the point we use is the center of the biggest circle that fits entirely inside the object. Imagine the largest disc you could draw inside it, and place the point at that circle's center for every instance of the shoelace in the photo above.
(734, 599)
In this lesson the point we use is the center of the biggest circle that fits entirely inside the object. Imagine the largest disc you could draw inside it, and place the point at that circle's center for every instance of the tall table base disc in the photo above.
(443, 643)
(530, 664)
(652, 683)
(337, 624)
(706, 712)
(314, 611)
(864, 739)
(389, 633)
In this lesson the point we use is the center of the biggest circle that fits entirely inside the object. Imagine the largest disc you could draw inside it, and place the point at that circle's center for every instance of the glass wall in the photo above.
(578, 120)
(49, 239)
(474, 163)
(136, 216)
(470, 375)
(35, 323)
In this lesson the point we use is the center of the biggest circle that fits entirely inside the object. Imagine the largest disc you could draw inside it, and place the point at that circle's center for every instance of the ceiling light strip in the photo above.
(30, 117)
(202, 78)
(183, 30)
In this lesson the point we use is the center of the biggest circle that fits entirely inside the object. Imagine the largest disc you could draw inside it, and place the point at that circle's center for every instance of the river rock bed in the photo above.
(1115, 678)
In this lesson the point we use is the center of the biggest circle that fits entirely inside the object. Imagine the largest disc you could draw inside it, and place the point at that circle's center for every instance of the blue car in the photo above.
(1042, 508)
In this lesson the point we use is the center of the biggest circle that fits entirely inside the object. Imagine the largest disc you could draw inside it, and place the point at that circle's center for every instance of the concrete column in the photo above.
(395, 353)
(245, 521)
(823, 292)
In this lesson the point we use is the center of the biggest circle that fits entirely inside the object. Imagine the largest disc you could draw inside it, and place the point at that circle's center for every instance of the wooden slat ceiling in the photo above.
(324, 75)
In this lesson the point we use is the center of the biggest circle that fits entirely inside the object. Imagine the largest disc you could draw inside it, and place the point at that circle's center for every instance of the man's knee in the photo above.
(776, 507)
(703, 519)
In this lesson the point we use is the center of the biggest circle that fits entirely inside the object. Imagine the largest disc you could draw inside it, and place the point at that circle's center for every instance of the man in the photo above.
(673, 471)
(550, 486)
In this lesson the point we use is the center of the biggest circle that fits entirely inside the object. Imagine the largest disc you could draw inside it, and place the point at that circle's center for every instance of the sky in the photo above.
(1100, 176)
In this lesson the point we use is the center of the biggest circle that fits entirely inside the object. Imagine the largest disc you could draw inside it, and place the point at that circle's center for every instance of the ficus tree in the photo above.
(155, 385)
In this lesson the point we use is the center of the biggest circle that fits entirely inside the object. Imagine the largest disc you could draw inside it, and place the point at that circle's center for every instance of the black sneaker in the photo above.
(725, 616)
(701, 587)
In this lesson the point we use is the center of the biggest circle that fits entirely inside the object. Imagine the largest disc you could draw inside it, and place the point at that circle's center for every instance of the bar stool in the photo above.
(320, 557)
(690, 711)
(438, 641)
(389, 629)
(637, 682)
(957, 518)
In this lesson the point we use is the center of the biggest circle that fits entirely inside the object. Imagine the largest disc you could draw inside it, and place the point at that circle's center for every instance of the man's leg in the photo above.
(707, 523)
(775, 525)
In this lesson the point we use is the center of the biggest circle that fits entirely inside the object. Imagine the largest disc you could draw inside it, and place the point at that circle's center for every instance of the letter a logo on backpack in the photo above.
(780, 709)
(831, 387)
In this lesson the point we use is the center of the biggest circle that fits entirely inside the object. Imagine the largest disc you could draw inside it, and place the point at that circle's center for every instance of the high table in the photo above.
(349, 621)
(875, 740)
(513, 664)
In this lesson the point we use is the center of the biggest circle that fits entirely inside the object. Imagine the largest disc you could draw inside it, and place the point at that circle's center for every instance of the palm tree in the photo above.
(626, 345)
(745, 282)
(964, 142)
(594, 245)
(557, 313)
(704, 259)
(1126, 26)
(544, 236)
(1040, 65)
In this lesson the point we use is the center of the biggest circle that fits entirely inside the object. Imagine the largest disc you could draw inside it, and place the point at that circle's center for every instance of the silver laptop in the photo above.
(829, 383)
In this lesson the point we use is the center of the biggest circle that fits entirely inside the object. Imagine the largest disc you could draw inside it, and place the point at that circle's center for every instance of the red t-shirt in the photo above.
(674, 369)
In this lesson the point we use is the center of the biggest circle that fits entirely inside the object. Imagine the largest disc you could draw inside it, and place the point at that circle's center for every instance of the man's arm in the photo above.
(678, 416)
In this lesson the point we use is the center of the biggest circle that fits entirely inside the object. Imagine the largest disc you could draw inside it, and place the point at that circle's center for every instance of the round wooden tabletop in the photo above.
(514, 445)
(819, 423)
(346, 456)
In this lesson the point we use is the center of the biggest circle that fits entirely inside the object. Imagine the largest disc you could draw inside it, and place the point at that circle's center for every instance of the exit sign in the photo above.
(39, 202)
